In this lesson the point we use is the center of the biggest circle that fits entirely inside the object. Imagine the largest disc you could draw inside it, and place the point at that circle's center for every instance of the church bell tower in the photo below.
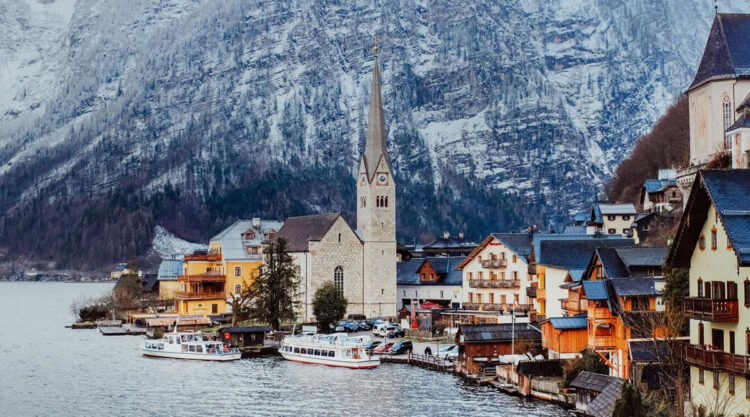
(376, 210)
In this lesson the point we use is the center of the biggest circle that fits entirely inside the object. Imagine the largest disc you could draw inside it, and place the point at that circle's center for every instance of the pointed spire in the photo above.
(376, 145)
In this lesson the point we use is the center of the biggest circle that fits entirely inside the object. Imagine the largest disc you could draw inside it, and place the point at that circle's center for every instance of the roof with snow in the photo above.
(727, 51)
(235, 239)
(169, 270)
(728, 192)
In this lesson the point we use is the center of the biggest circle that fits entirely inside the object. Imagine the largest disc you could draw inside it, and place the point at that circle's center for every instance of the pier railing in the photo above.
(423, 361)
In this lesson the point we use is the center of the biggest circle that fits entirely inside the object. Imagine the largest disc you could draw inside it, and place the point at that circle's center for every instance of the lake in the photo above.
(48, 370)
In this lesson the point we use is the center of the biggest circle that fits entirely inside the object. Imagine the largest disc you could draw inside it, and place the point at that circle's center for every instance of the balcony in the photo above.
(603, 342)
(571, 306)
(495, 283)
(212, 276)
(600, 313)
(532, 269)
(483, 306)
(205, 257)
(717, 359)
(708, 309)
(200, 295)
(494, 263)
(531, 292)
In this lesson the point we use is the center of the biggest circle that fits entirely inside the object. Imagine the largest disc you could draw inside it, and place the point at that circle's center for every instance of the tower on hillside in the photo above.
(376, 210)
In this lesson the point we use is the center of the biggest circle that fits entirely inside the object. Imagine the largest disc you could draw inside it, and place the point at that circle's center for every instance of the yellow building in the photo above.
(713, 241)
(211, 279)
(169, 272)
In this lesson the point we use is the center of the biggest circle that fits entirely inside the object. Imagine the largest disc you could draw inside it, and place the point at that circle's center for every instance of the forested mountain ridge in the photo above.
(190, 113)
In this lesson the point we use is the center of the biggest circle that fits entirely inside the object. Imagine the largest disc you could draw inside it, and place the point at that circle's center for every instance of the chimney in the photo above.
(256, 222)
(461, 235)
(446, 234)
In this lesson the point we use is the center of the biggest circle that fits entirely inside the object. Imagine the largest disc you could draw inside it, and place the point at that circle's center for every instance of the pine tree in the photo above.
(274, 292)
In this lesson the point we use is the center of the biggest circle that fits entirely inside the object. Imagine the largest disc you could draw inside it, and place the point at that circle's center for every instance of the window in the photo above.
(237, 289)
(716, 379)
(441, 293)
(469, 275)
(702, 242)
(700, 287)
(611, 231)
(339, 237)
(338, 278)
(701, 377)
(238, 271)
(731, 342)
(726, 112)
(404, 293)
(492, 298)
(515, 259)
(713, 238)
(515, 275)
(625, 231)
(747, 294)
(214, 308)
(626, 217)
(701, 337)
(471, 297)
(610, 217)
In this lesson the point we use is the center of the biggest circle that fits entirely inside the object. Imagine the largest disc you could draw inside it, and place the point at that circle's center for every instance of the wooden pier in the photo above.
(423, 361)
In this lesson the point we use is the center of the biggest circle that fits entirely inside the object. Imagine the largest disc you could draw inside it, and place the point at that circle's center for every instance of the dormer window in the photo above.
(271, 234)
(248, 235)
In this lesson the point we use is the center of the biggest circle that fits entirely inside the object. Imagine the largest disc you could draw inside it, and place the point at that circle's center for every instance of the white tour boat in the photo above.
(336, 349)
(189, 345)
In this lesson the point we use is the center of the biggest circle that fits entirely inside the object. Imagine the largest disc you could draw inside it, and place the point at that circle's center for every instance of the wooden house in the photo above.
(481, 344)
(244, 336)
(596, 393)
(565, 337)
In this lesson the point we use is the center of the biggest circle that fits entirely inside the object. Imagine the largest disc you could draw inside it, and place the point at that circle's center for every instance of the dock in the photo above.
(423, 361)
(124, 330)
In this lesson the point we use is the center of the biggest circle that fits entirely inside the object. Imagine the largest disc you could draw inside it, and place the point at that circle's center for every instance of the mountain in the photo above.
(116, 117)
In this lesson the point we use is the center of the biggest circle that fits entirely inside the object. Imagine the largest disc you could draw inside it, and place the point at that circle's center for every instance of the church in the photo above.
(361, 262)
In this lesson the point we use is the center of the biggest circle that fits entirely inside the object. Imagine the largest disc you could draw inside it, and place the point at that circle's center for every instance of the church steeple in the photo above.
(376, 145)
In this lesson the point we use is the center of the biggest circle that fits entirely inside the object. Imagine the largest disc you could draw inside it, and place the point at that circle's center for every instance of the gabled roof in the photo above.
(655, 186)
(442, 242)
(169, 270)
(568, 323)
(595, 290)
(727, 51)
(541, 237)
(300, 231)
(581, 216)
(233, 239)
(642, 256)
(611, 263)
(592, 382)
(728, 192)
(481, 333)
(574, 230)
(604, 403)
(574, 254)
(632, 287)
(518, 243)
(601, 209)
(407, 273)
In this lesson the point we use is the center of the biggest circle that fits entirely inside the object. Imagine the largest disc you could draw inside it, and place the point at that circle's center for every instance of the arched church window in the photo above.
(339, 237)
(726, 112)
(338, 278)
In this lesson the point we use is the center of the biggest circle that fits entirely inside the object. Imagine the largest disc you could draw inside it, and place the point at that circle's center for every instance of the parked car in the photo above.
(379, 328)
(396, 332)
(383, 348)
(362, 325)
(445, 349)
(356, 317)
(346, 326)
(449, 354)
(400, 347)
(370, 346)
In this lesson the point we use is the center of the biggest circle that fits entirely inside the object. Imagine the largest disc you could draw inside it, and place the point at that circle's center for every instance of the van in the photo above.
(379, 329)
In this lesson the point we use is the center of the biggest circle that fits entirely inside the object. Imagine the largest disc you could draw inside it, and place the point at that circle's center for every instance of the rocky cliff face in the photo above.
(484, 101)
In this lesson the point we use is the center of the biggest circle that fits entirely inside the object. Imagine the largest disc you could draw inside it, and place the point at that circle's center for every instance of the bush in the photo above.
(92, 312)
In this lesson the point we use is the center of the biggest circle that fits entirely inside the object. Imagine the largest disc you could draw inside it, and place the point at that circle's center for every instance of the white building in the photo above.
(430, 280)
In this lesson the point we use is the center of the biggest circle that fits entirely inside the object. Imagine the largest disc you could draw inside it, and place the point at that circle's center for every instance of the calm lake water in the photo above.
(48, 370)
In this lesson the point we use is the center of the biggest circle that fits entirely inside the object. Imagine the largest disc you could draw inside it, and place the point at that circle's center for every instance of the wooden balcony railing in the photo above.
(494, 263)
(603, 342)
(204, 277)
(532, 269)
(495, 283)
(531, 292)
(717, 359)
(198, 295)
(571, 306)
(206, 257)
(598, 313)
(708, 309)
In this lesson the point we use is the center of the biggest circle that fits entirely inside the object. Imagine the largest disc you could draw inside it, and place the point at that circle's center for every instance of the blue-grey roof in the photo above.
(729, 192)
(602, 208)
(655, 186)
(574, 254)
(518, 243)
(642, 256)
(566, 323)
(595, 290)
(727, 51)
(576, 274)
(611, 263)
(574, 230)
(504, 332)
(407, 273)
(581, 216)
(632, 287)
(542, 237)
(234, 239)
(169, 270)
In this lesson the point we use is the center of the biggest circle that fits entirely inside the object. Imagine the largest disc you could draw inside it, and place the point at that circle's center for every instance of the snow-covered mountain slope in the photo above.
(538, 99)
(166, 245)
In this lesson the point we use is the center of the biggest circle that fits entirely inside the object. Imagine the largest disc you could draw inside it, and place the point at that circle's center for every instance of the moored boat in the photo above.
(189, 345)
(337, 349)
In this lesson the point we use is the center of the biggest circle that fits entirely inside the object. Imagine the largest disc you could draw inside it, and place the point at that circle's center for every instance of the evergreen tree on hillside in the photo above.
(273, 293)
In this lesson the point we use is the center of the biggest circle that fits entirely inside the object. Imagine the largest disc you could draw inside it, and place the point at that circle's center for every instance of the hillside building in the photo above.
(433, 280)
(611, 219)
(361, 262)
(713, 241)
(661, 194)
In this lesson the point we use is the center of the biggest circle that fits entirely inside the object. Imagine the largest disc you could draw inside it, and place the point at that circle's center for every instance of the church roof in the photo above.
(376, 145)
(727, 52)
(299, 231)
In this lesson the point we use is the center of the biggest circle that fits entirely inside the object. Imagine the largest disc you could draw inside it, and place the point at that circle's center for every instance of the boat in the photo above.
(337, 349)
(189, 345)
